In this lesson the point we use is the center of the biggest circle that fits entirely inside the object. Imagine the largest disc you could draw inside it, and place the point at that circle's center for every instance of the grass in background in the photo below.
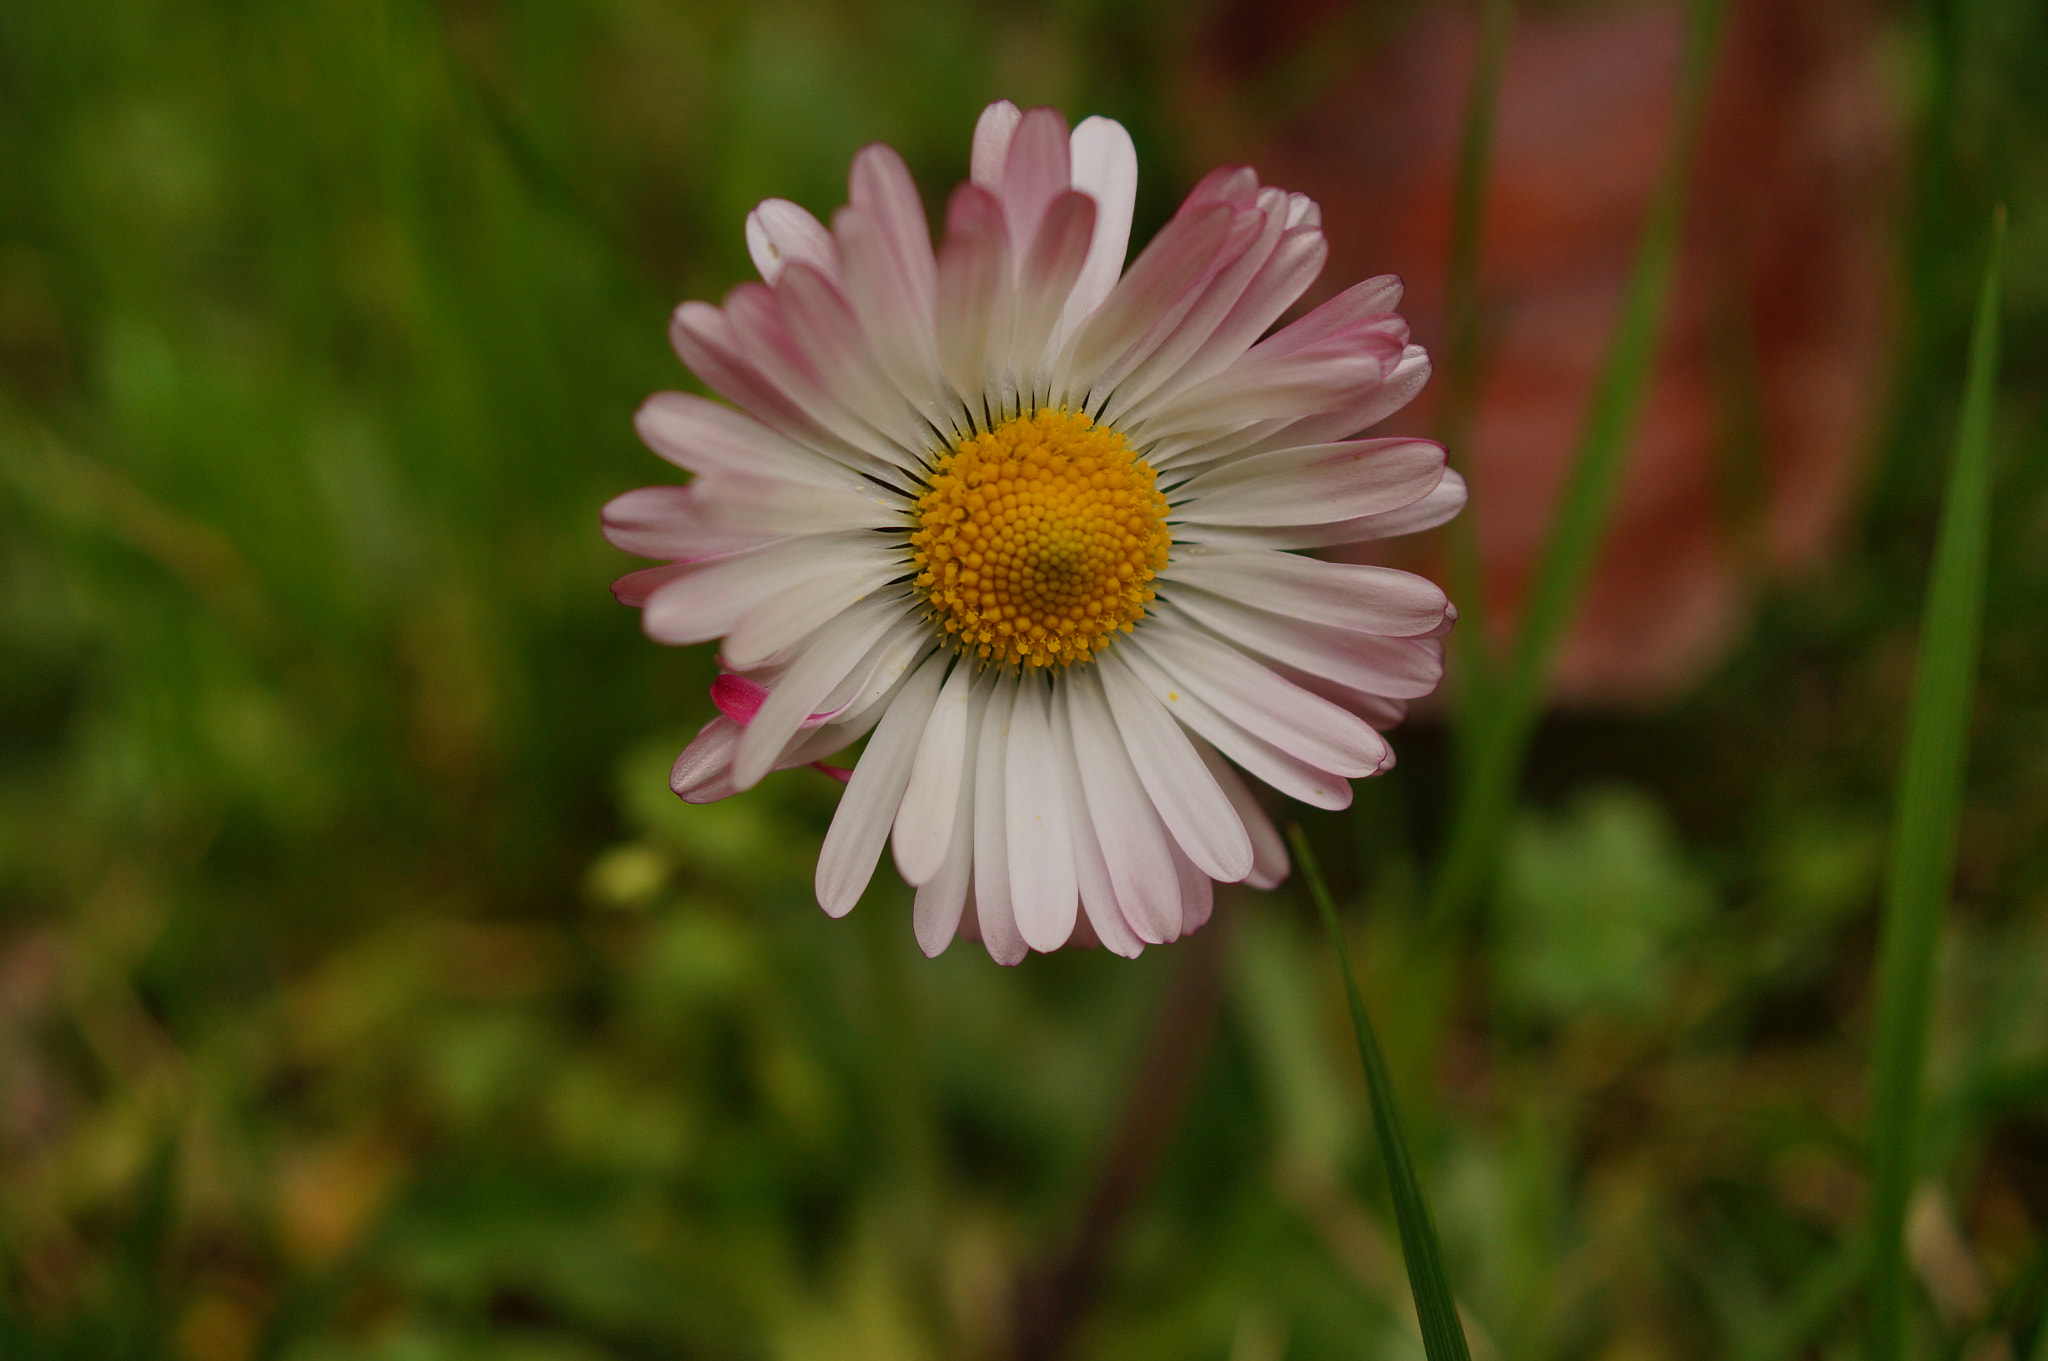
(364, 996)
(1928, 808)
(1496, 733)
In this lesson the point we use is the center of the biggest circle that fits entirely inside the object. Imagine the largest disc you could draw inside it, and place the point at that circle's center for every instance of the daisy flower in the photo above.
(1027, 521)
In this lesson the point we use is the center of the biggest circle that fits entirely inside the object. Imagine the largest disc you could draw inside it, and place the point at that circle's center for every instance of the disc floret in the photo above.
(1036, 543)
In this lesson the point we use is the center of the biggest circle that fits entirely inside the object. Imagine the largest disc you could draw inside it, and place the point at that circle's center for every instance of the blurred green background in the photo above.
(365, 994)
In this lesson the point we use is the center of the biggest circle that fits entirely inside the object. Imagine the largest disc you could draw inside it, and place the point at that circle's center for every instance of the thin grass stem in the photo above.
(1436, 1309)
(1502, 735)
(1927, 809)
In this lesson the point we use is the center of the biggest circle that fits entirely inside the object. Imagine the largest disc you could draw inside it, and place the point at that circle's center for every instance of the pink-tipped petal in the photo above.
(1035, 172)
(976, 296)
(1315, 484)
(1348, 595)
(703, 772)
(779, 233)
(992, 134)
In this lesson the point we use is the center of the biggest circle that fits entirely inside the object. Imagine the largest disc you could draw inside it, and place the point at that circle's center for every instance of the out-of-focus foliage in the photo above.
(364, 996)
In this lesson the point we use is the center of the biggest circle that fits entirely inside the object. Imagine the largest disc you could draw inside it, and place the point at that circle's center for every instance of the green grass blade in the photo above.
(1500, 738)
(1472, 665)
(1928, 806)
(1436, 1309)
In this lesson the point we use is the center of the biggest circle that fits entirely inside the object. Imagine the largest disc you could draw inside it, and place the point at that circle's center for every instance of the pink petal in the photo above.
(1314, 484)
(635, 588)
(992, 134)
(1034, 173)
(779, 233)
(703, 772)
(1048, 275)
(975, 294)
(738, 698)
(1348, 595)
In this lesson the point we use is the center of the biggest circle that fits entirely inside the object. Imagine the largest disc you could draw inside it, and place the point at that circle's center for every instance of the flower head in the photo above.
(1026, 520)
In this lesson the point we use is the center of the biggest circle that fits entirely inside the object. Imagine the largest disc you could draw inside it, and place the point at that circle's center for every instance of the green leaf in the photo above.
(1436, 1309)
(1927, 808)
(1497, 736)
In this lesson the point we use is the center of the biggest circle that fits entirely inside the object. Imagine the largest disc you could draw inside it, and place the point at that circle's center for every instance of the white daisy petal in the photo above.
(1439, 507)
(1100, 911)
(942, 896)
(993, 913)
(1269, 849)
(821, 324)
(1284, 771)
(1305, 726)
(1197, 894)
(709, 599)
(1040, 848)
(671, 522)
(1400, 668)
(1349, 595)
(1136, 847)
(1189, 803)
(853, 844)
(1106, 169)
(834, 650)
(924, 822)
(706, 438)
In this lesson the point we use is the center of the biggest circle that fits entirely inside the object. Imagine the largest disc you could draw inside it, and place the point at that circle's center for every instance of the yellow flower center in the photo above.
(1037, 543)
